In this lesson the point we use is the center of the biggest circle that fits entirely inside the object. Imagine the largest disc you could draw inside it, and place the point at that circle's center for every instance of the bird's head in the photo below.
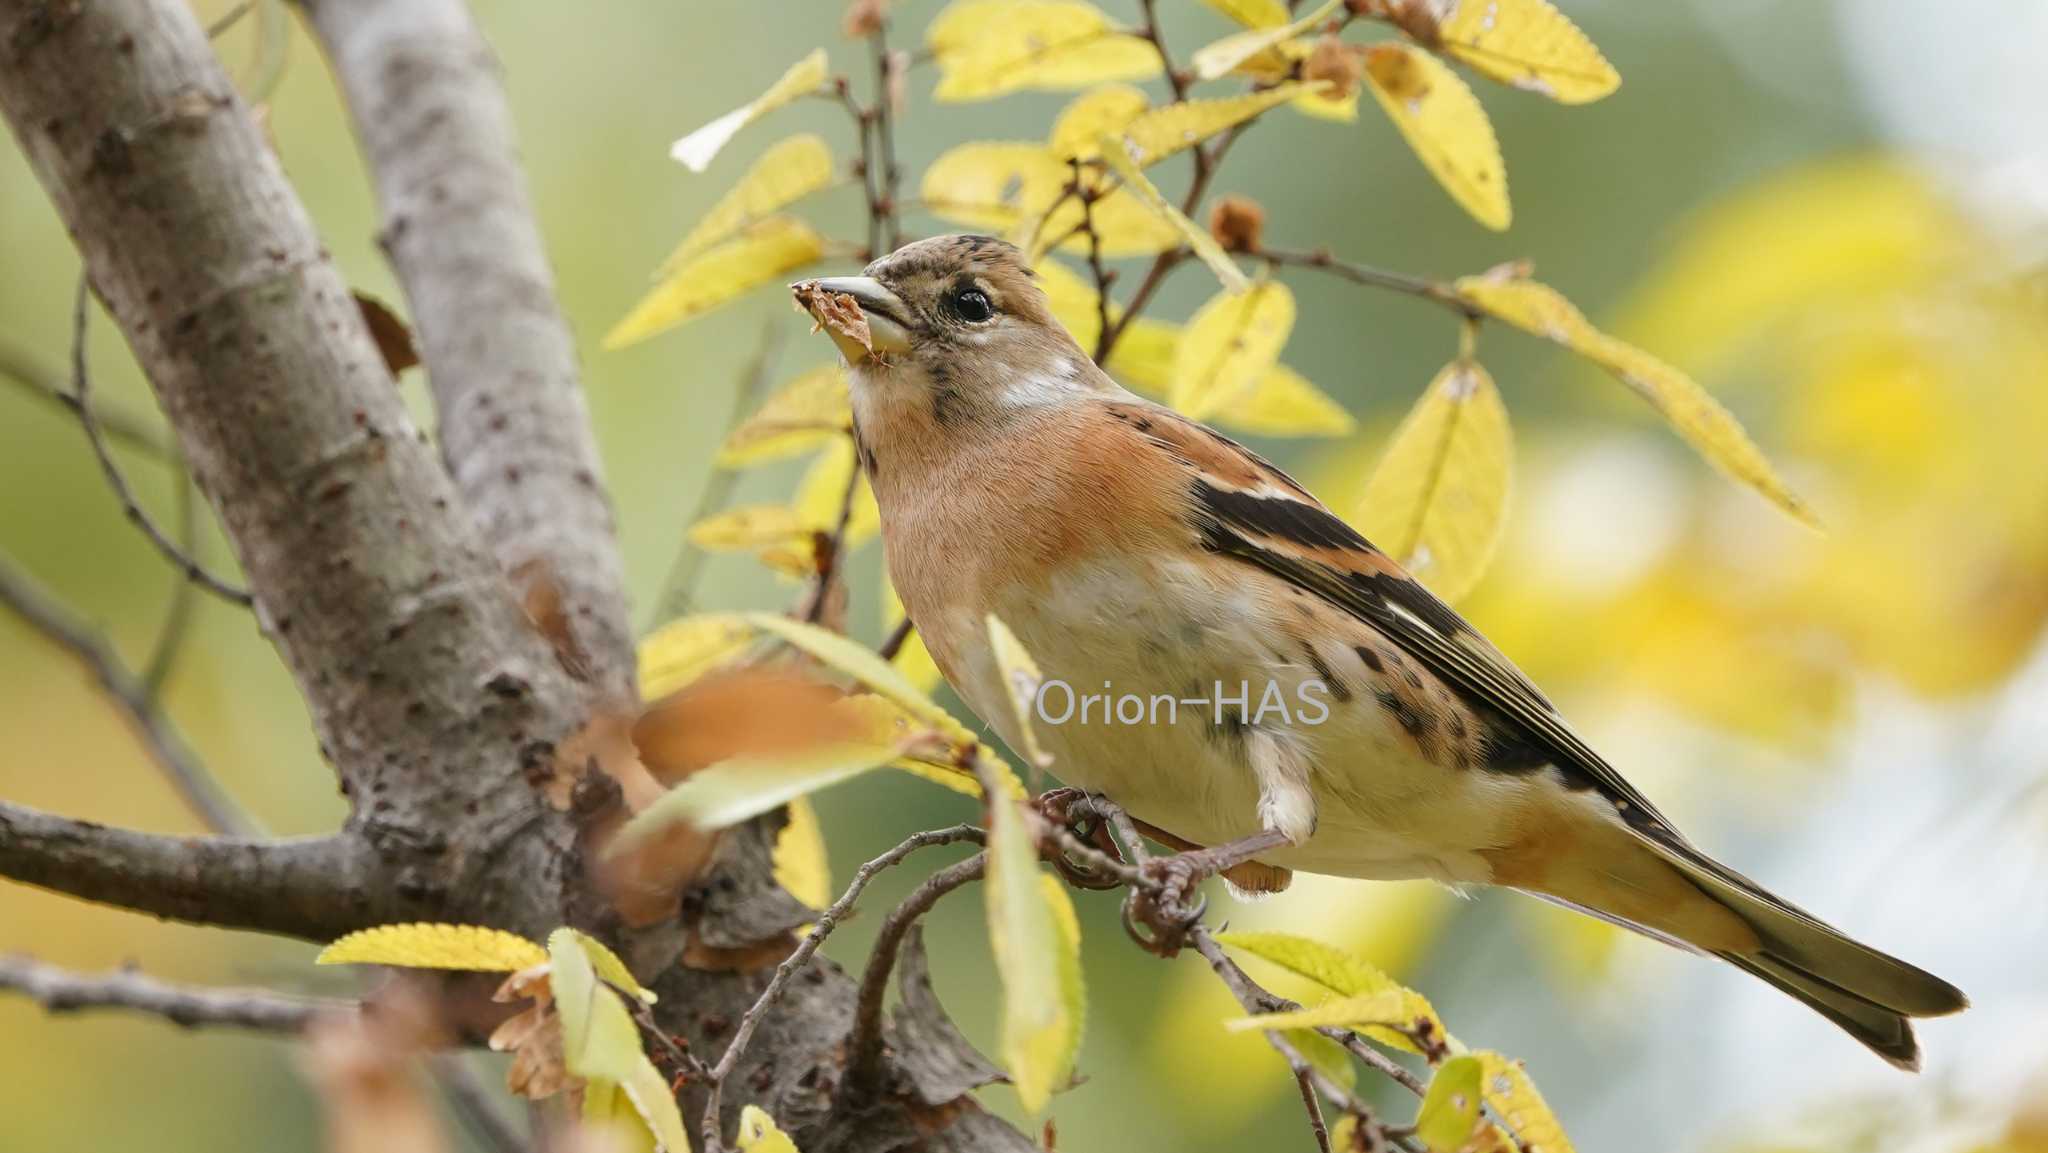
(957, 328)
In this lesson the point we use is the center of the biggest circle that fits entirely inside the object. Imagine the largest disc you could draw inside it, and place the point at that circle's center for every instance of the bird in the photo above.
(1330, 714)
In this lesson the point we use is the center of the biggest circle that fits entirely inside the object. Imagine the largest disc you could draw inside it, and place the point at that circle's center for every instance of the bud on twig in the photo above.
(1237, 222)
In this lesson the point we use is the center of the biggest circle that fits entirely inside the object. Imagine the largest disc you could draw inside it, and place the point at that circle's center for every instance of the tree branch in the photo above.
(458, 227)
(428, 686)
(317, 888)
(63, 991)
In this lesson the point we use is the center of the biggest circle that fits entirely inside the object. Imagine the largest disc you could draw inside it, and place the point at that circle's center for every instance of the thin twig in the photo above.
(863, 121)
(885, 208)
(81, 385)
(833, 550)
(198, 788)
(679, 588)
(177, 624)
(63, 991)
(1321, 260)
(897, 638)
(827, 921)
(1316, 1125)
(17, 365)
(864, 1044)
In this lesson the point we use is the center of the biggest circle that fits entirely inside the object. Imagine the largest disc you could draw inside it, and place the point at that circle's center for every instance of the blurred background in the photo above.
(1831, 212)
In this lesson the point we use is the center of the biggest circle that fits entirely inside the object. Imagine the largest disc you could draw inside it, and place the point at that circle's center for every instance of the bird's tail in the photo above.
(1663, 887)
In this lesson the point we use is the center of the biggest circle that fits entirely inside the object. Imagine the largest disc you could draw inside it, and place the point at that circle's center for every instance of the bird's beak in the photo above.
(886, 314)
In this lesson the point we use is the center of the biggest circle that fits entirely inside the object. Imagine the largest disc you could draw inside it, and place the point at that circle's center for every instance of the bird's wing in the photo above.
(1248, 509)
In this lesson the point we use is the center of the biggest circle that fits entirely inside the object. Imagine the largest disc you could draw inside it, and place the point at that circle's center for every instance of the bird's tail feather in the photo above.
(1659, 885)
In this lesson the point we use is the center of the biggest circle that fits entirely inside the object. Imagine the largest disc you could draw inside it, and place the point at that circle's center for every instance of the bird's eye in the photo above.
(971, 305)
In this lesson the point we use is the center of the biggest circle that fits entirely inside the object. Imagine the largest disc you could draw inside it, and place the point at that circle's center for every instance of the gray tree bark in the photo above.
(387, 587)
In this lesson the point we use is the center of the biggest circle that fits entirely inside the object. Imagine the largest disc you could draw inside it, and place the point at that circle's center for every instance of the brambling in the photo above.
(1130, 548)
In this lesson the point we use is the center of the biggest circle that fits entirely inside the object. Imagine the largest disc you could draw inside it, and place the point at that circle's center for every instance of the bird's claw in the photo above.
(1157, 914)
(1057, 807)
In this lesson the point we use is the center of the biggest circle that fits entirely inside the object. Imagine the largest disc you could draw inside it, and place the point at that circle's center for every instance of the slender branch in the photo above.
(863, 121)
(81, 389)
(827, 921)
(679, 588)
(897, 638)
(864, 1044)
(459, 229)
(63, 991)
(316, 888)
(833, 550)
(885, 138)
(1322, 261)
(177, 622)
(1305, 1082)
(194, 784)
(38, 381)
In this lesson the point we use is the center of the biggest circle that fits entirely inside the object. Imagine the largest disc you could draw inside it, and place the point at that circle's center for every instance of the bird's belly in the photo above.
(1152, 671)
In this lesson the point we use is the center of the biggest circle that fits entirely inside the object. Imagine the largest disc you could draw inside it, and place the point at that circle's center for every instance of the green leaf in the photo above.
(733, 790)
(1344, 973)
(1450, 1110)
(1036, 940)
(856, 661)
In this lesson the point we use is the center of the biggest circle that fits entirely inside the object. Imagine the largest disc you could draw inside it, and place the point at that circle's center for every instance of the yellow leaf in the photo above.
(1281, 403)
(800, 861)
(1253, 13)
(1231, 343)
(803, 78)
(683, 650)
(1162, 132)
(760, 1134)
(1326, 105)
(1388, 1007)
(1691, 411)
(765, 252)
(722, 795)
(1439, 497)
(797, 417)
(1194, 235)
(649, 1092)
(748, 527)
(1445, 125)
(1014, 187)
(607, 965)
(1225, 55)
(1073, 301)
(1021, 679)
(1514, 1099)
(822, 493)
(1345, 974)
(946, 760)
(1036, 943)
(1099, 112)
(599, 1039)
(1529, 44)
(1144, 354)
(985, 48)
(785, 174)
(601, 1044)
(1450, 1116)
(430, 946)
(845, 656)
(994, 185)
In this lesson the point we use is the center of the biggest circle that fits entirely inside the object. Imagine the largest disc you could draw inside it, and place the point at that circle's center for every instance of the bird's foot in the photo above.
(1072, 810)
(1157, 913)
